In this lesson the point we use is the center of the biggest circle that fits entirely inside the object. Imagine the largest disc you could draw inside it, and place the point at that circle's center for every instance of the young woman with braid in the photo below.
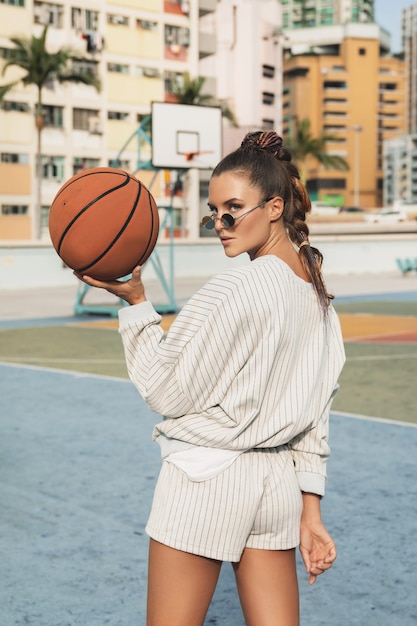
(244, 380)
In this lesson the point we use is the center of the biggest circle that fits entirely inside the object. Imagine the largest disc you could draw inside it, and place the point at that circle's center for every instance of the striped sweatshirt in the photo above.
(251, 361)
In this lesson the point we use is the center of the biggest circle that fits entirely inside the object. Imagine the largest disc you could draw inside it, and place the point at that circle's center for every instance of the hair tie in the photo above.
(303, 243)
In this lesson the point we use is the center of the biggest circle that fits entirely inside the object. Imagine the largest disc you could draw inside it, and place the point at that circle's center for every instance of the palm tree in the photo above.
(187, 90)
(302, 145)
(42, 69)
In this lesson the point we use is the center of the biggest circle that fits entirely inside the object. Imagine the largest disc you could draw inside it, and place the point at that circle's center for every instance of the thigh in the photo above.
(180, 586)
(268, 587)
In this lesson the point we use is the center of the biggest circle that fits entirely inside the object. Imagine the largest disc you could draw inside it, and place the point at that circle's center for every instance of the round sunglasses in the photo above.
(227, 220)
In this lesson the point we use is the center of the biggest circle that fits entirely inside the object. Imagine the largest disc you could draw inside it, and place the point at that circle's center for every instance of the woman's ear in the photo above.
(276, 208)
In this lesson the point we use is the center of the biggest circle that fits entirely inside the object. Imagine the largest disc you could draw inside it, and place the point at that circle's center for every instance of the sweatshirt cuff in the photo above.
(138, 314)
(312, 483)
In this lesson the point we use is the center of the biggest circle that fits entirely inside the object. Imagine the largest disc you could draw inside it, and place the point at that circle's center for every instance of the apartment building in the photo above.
(409, 46)
(344, 80)
(136, 47)
(311, 13)
(400, 172)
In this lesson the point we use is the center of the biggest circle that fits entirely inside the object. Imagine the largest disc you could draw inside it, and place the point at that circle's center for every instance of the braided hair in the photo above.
(264, 159)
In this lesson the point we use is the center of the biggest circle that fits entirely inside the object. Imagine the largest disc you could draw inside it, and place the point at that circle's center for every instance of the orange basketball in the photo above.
(103, 222)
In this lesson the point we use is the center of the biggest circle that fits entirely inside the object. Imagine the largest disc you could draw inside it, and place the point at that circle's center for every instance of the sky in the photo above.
(388, 15)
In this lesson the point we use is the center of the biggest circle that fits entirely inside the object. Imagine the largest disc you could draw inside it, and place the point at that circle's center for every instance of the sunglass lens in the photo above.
(228, 220)
(208, 222)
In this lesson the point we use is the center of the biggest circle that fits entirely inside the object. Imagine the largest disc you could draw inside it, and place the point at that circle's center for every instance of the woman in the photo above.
(244, 380)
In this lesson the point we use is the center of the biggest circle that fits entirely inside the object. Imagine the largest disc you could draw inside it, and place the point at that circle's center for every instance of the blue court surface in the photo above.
(78, 468)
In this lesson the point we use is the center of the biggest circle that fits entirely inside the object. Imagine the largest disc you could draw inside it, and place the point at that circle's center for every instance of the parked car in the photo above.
(386, 216)
(322, 208)
(351, 209)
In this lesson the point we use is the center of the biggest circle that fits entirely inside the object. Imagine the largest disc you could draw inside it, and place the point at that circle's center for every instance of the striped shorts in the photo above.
(255, 503)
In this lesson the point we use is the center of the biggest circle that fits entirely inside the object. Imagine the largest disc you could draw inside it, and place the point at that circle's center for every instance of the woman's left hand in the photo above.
(317, 549)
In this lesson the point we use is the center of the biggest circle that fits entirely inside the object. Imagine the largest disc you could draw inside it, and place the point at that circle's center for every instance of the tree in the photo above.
(187, 90)
(303, 145)
(42, 69)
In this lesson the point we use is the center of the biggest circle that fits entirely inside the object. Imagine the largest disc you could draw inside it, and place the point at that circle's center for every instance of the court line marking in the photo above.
(75, 373)
(19, 359)
(51, 370)
(15, 359)
(382, 357)
(369, 418)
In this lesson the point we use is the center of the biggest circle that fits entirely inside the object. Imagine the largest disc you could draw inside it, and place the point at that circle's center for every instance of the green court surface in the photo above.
(379, 378)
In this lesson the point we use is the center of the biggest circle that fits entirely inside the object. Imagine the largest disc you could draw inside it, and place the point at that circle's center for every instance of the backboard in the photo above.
(186, 136)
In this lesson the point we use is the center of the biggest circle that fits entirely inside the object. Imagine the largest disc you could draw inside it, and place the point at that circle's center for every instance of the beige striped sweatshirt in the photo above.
(251, 361)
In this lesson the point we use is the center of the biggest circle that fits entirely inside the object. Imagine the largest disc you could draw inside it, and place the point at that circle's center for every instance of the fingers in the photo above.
(100, 284)
(315, 566)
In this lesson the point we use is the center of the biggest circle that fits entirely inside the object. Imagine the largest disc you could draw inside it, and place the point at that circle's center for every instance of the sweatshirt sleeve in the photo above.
(214, 335)
(310, 451)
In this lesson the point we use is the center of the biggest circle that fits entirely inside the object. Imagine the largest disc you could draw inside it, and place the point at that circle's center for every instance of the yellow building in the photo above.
(136, 47)
(344, 81)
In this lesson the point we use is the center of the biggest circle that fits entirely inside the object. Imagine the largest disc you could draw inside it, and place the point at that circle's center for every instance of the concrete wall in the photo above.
(30, 266)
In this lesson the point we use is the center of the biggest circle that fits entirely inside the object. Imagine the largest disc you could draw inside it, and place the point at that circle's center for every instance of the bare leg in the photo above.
(180, 586)
(268, 587)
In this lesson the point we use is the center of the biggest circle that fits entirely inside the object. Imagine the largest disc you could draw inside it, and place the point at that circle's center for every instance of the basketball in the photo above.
(103, 222)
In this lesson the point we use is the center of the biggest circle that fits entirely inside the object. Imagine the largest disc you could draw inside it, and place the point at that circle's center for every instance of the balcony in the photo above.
(206, 6)
(207, 44)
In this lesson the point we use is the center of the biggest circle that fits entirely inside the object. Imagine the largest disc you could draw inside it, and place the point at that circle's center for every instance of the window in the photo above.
(147, 72)
(14, 209)
(119, 68)
(314, 184)
(48, 14)
(53, 116)
(388, 86)
(122, 164)
(117, 20)
(171, 79)
(362, 52)
(84, 19)
(7, 53)
(14, 3)
(81, 117)
(53, 168)
(176, 36)
(329, 128)
(146, 25)
(20, 107)
(11, 157)
(117, 115)
(335, 114)
(335, 84)
(334, 101)
(84, 66)
(268, 97)
(268, 71)
(268, 124)
(80, 164)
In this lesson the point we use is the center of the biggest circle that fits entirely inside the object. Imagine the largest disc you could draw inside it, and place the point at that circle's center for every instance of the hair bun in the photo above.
(268, 141)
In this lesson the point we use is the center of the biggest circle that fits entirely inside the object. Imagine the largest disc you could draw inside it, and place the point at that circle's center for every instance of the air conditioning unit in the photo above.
(95, 127)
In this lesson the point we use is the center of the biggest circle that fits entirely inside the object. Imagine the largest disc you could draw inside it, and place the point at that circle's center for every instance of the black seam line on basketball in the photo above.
(87, 173)
(139, 262)
(87, 206)
(119, 234)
